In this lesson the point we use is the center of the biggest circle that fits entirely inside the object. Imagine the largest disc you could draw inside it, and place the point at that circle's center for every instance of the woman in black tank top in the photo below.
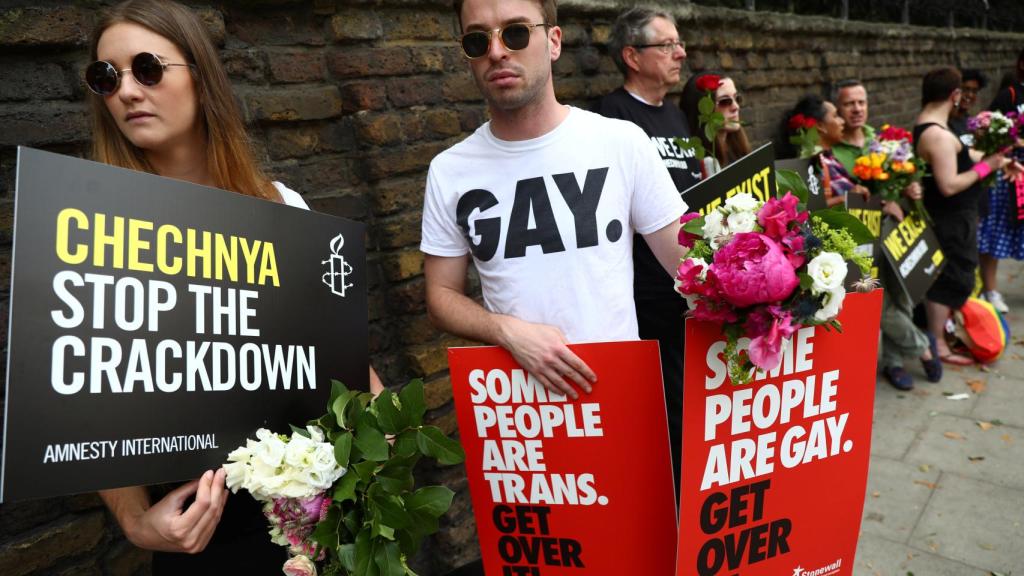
(951, 191)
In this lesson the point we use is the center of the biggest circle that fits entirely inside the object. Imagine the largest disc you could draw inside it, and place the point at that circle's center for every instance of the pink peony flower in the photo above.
(686, 239)
(299, 566)
(768, 326)
(712, 310)
(752, 269)
(776, 215)
(793, 247)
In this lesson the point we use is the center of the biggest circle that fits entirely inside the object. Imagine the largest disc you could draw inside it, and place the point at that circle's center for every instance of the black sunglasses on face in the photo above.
(147, 69)
(726, 101)
(513, 37)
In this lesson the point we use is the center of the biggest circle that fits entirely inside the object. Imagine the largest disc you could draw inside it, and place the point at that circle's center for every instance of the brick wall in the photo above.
(348, 101)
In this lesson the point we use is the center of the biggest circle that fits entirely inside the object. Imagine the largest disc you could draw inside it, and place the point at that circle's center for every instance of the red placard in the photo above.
(563, 487)
(774, 472)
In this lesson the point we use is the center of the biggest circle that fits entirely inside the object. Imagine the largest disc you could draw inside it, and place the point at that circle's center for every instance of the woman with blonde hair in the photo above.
(161, 103)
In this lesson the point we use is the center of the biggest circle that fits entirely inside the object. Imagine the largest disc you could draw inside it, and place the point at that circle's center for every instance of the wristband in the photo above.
(982, 169)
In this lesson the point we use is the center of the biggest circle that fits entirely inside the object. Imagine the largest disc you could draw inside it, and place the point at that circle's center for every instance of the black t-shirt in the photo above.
(1009, 99)
(663, 124)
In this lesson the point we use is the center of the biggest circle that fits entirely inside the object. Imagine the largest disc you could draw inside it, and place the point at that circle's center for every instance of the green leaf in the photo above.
(405, 443)
(338, 408)
(337, 389)
(695, 226)
(841, 219)
(343, 449)
(345, 487)
(434, 443)
(351, 521)
(391, 419)
(395, 477)
(790, 181)
(388, 559)
(706, 105)
(370, 440)
(326, 532)
(413, 404)
(710, 131)
(391, 508)
(433, 501)
(365, 470)
(805, 280)
(347, 556)
(364, 553)
(299, 431)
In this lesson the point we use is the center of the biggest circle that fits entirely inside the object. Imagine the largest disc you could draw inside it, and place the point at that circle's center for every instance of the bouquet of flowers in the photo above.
(804, 130)
(993, 131)
(765, 270)
(890, 165)
(339, 492)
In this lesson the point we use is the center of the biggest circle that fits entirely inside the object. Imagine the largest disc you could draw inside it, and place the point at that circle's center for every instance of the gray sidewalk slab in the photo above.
(946, 485)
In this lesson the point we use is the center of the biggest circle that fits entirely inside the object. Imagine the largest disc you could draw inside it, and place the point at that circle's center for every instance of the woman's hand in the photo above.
(167, 526)
(858, 189)
(913, 191)
(893, 209)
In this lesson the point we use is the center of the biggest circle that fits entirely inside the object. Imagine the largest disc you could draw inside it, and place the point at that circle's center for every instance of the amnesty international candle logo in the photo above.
(546, 472)
(155, 324)
(338, 269)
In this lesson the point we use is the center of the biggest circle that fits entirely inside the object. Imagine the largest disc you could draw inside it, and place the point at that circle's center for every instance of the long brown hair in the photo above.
(230, 159)
(729, 146)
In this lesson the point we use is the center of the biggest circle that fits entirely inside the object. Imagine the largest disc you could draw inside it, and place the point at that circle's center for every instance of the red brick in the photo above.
(294, 103)
(363, 95)
(422, 90)
(244, 64)
(398, 231)
(303, 65)
(397, 194)
(420, 25)
(390, 163)
(378, 129)
(35, 26)
(354, 25)
(402, 265)
(71, 536)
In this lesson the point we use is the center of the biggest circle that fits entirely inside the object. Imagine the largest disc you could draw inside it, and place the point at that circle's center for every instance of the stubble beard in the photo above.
(513, 99)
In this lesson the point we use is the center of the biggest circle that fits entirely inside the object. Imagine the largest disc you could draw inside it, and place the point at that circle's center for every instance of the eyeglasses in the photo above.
(665, 47)
(147, 69)
(726, 101)
(513, 37)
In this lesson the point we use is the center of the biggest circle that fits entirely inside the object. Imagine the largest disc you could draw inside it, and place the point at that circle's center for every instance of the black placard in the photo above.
(193, 282)
(810, 173)
(869, 212)
(754, 174)
(913, 252)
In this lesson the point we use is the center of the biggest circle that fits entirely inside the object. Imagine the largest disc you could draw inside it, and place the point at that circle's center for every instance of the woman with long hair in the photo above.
(161, 103)
(731, 142)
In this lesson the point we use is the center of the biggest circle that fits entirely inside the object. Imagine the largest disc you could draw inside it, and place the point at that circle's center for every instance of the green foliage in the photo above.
(835, 237)
(790, 181)
(807, 141)
(376, 520)
(692, 143)
(709, 119)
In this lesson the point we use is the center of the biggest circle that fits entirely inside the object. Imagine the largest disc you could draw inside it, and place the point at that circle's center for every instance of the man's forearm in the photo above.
(462, 316)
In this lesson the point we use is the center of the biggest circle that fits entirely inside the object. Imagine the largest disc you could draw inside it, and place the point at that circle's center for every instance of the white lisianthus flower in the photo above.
(827, 270)
(741, 222)
(274, 468)
(714, 226)
(742, 202)
(832, 304)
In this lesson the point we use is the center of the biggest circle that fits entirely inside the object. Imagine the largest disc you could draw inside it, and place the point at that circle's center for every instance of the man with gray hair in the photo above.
(645, 46)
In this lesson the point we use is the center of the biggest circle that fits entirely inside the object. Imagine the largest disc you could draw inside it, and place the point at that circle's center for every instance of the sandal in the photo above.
(932, 366)
(957, 359)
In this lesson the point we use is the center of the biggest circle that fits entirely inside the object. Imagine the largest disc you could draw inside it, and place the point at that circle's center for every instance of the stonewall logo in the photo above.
(832, 568)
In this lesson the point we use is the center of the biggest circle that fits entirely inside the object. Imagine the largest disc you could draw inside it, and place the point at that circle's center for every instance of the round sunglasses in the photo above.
(147, 69)
(513, 37)
(726, 101)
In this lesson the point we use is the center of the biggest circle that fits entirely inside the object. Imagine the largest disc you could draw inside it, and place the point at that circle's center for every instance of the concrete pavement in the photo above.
(945, 491)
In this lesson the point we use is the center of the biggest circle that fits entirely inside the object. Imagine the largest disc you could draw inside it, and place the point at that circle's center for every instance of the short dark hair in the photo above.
(848, 83)
(974, 74)
(549, 8)
(939, 84)
(630, 29)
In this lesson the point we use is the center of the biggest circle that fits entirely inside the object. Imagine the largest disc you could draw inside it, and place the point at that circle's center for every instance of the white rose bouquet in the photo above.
(339, 493)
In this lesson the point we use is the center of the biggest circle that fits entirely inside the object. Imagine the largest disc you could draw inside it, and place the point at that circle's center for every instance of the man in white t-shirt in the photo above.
(546, 199)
